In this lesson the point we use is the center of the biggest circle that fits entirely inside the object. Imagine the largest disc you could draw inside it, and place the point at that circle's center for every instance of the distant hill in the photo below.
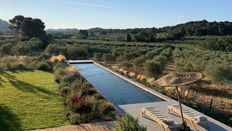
(192, 28)
(97, 29)
(201, 28)
(65, 31)
(4, 26)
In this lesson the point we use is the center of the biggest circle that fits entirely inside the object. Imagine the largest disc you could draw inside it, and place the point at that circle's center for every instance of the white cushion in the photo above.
(200, 118)
(168, 121)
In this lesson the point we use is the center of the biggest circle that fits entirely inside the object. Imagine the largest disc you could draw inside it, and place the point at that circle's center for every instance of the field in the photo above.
(30, 100)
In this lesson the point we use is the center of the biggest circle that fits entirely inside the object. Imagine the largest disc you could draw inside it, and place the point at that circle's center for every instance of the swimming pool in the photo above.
(113, 88)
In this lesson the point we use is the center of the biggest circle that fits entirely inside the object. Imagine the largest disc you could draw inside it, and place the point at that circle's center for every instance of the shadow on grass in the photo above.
(8, 75)
(1, 85)
(214, 92)
(203, 87)
(1, 80)
(8, 120)
(24, 86)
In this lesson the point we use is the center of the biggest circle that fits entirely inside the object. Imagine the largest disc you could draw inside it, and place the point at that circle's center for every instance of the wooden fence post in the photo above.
(211, 103)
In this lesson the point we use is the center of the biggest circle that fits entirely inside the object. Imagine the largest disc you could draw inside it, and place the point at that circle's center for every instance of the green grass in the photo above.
(30, 100)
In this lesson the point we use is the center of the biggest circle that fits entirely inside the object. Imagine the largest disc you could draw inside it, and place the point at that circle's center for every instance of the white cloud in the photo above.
(87, 4)
(92, 5)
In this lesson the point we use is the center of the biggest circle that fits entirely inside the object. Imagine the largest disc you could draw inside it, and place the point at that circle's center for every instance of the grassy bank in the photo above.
(30, 100)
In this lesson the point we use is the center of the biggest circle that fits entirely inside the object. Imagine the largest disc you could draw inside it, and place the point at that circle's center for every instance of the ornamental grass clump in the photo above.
(45, 66)
(75, 102)
(21, 63)
(71, 70)
(66, 74)
(105, 107)
(58, 58)
(128, 123)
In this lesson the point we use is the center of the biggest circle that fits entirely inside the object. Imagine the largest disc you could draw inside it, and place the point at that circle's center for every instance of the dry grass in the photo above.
(57, 58)
(71, 70)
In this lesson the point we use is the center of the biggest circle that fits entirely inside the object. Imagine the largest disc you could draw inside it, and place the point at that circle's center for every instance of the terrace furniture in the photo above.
(155, 115)
(194, 118)
(177, 80)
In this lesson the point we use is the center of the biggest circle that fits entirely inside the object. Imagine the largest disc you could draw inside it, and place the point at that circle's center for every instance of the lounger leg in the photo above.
(169, 110)
(142, 113)
(163, 127)
(194, 125)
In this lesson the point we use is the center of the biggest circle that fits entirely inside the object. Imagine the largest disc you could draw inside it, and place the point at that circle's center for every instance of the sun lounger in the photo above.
(155, 115)
(193, 117)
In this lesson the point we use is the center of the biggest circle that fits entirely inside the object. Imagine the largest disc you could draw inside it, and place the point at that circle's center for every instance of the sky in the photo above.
(84, 14)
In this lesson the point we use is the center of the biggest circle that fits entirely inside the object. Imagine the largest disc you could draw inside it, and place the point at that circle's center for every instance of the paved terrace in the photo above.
(134, 109)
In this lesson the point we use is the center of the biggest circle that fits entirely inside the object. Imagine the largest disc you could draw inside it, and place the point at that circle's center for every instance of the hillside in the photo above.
(4, 26)
(65, 31)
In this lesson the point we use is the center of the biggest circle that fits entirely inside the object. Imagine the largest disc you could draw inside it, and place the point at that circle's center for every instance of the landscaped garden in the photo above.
(39, 89)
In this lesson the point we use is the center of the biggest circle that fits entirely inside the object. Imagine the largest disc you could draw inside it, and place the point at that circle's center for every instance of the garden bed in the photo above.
(82, 101)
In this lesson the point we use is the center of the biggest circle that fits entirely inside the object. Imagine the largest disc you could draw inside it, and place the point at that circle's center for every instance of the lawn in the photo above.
(30, 100)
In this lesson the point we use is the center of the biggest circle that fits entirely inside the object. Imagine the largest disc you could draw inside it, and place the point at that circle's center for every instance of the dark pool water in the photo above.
(113, 88)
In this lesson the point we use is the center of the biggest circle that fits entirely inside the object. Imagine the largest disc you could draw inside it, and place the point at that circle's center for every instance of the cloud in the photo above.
(87, 4)
(92, 5)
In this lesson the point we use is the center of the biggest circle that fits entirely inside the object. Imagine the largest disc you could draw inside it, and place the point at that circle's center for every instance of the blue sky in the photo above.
(85, 14)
